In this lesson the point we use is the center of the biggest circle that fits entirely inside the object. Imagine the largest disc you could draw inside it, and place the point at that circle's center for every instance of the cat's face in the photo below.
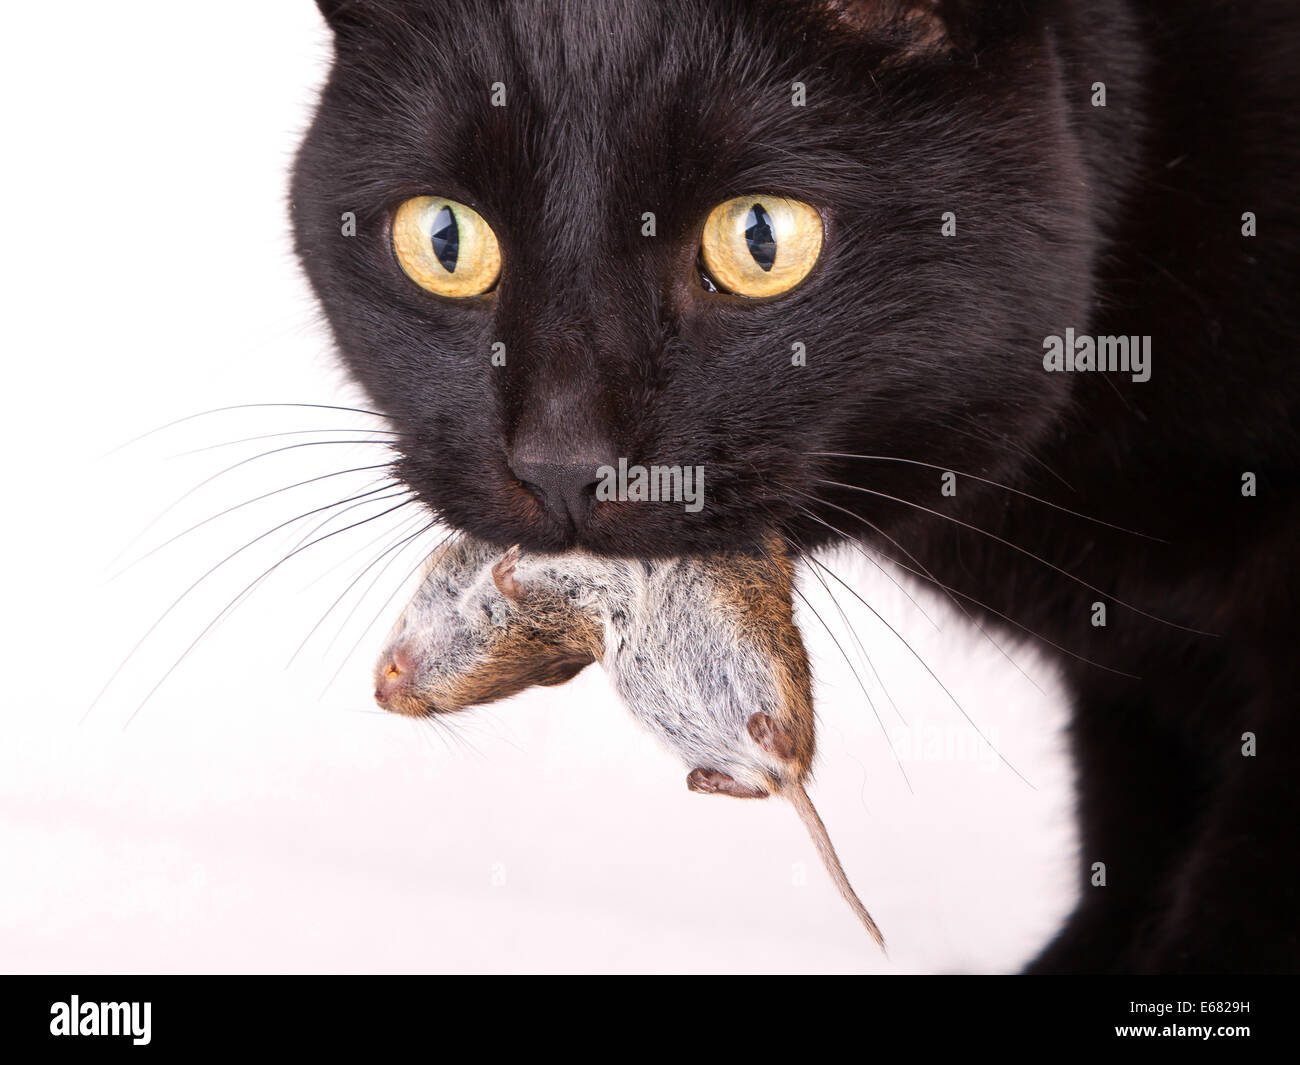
(901, 341)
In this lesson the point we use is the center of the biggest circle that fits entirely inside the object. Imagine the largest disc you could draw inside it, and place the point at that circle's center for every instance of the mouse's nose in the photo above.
(394, 677)
(566, 489)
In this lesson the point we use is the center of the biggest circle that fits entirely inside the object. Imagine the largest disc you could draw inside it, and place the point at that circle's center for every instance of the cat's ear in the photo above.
(931, 28)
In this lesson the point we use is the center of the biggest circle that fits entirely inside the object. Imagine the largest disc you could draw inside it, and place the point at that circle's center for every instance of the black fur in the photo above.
(1118, 220)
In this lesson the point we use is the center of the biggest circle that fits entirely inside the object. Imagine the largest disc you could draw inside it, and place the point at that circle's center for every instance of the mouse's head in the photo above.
(473, 633)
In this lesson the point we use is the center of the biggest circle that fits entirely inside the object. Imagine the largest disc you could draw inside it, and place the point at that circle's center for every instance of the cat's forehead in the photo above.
(578, 66)
(584, 42)
(554, 116)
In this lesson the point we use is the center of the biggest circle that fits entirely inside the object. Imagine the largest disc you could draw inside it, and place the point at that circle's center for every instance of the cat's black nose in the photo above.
(566, 489)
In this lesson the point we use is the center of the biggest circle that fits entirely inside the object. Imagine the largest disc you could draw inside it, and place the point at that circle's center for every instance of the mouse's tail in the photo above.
(813, 822)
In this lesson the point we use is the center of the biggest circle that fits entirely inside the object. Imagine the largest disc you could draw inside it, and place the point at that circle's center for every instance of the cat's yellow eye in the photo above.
(446, 247)
(761, 245)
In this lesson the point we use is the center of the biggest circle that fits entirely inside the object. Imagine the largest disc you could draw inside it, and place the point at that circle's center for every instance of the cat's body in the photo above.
(1122, 220)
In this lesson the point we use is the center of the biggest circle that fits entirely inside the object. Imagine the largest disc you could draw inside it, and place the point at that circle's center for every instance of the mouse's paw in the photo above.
(712, 782)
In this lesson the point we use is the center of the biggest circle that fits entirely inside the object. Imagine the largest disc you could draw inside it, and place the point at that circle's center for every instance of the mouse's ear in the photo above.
(503, 575)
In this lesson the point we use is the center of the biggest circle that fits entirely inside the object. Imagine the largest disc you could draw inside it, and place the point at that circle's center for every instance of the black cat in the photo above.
(995, 189)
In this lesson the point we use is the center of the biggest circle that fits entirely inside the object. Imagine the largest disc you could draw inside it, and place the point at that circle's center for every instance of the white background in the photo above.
(253, 817)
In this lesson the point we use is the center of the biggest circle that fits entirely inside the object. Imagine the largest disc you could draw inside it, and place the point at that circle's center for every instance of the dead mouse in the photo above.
(704, 652)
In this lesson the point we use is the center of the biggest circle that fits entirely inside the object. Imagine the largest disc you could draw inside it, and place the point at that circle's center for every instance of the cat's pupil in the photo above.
(759, 237)
(446, 239)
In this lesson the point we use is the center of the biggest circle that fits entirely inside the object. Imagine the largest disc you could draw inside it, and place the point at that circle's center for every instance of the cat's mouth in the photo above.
(614, 508)
(628, 529)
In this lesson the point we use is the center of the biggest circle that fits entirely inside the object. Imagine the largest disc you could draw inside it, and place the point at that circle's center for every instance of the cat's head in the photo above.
(910, 164)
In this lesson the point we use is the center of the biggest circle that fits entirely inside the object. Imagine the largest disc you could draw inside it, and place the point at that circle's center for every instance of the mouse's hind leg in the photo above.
(712, 782)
